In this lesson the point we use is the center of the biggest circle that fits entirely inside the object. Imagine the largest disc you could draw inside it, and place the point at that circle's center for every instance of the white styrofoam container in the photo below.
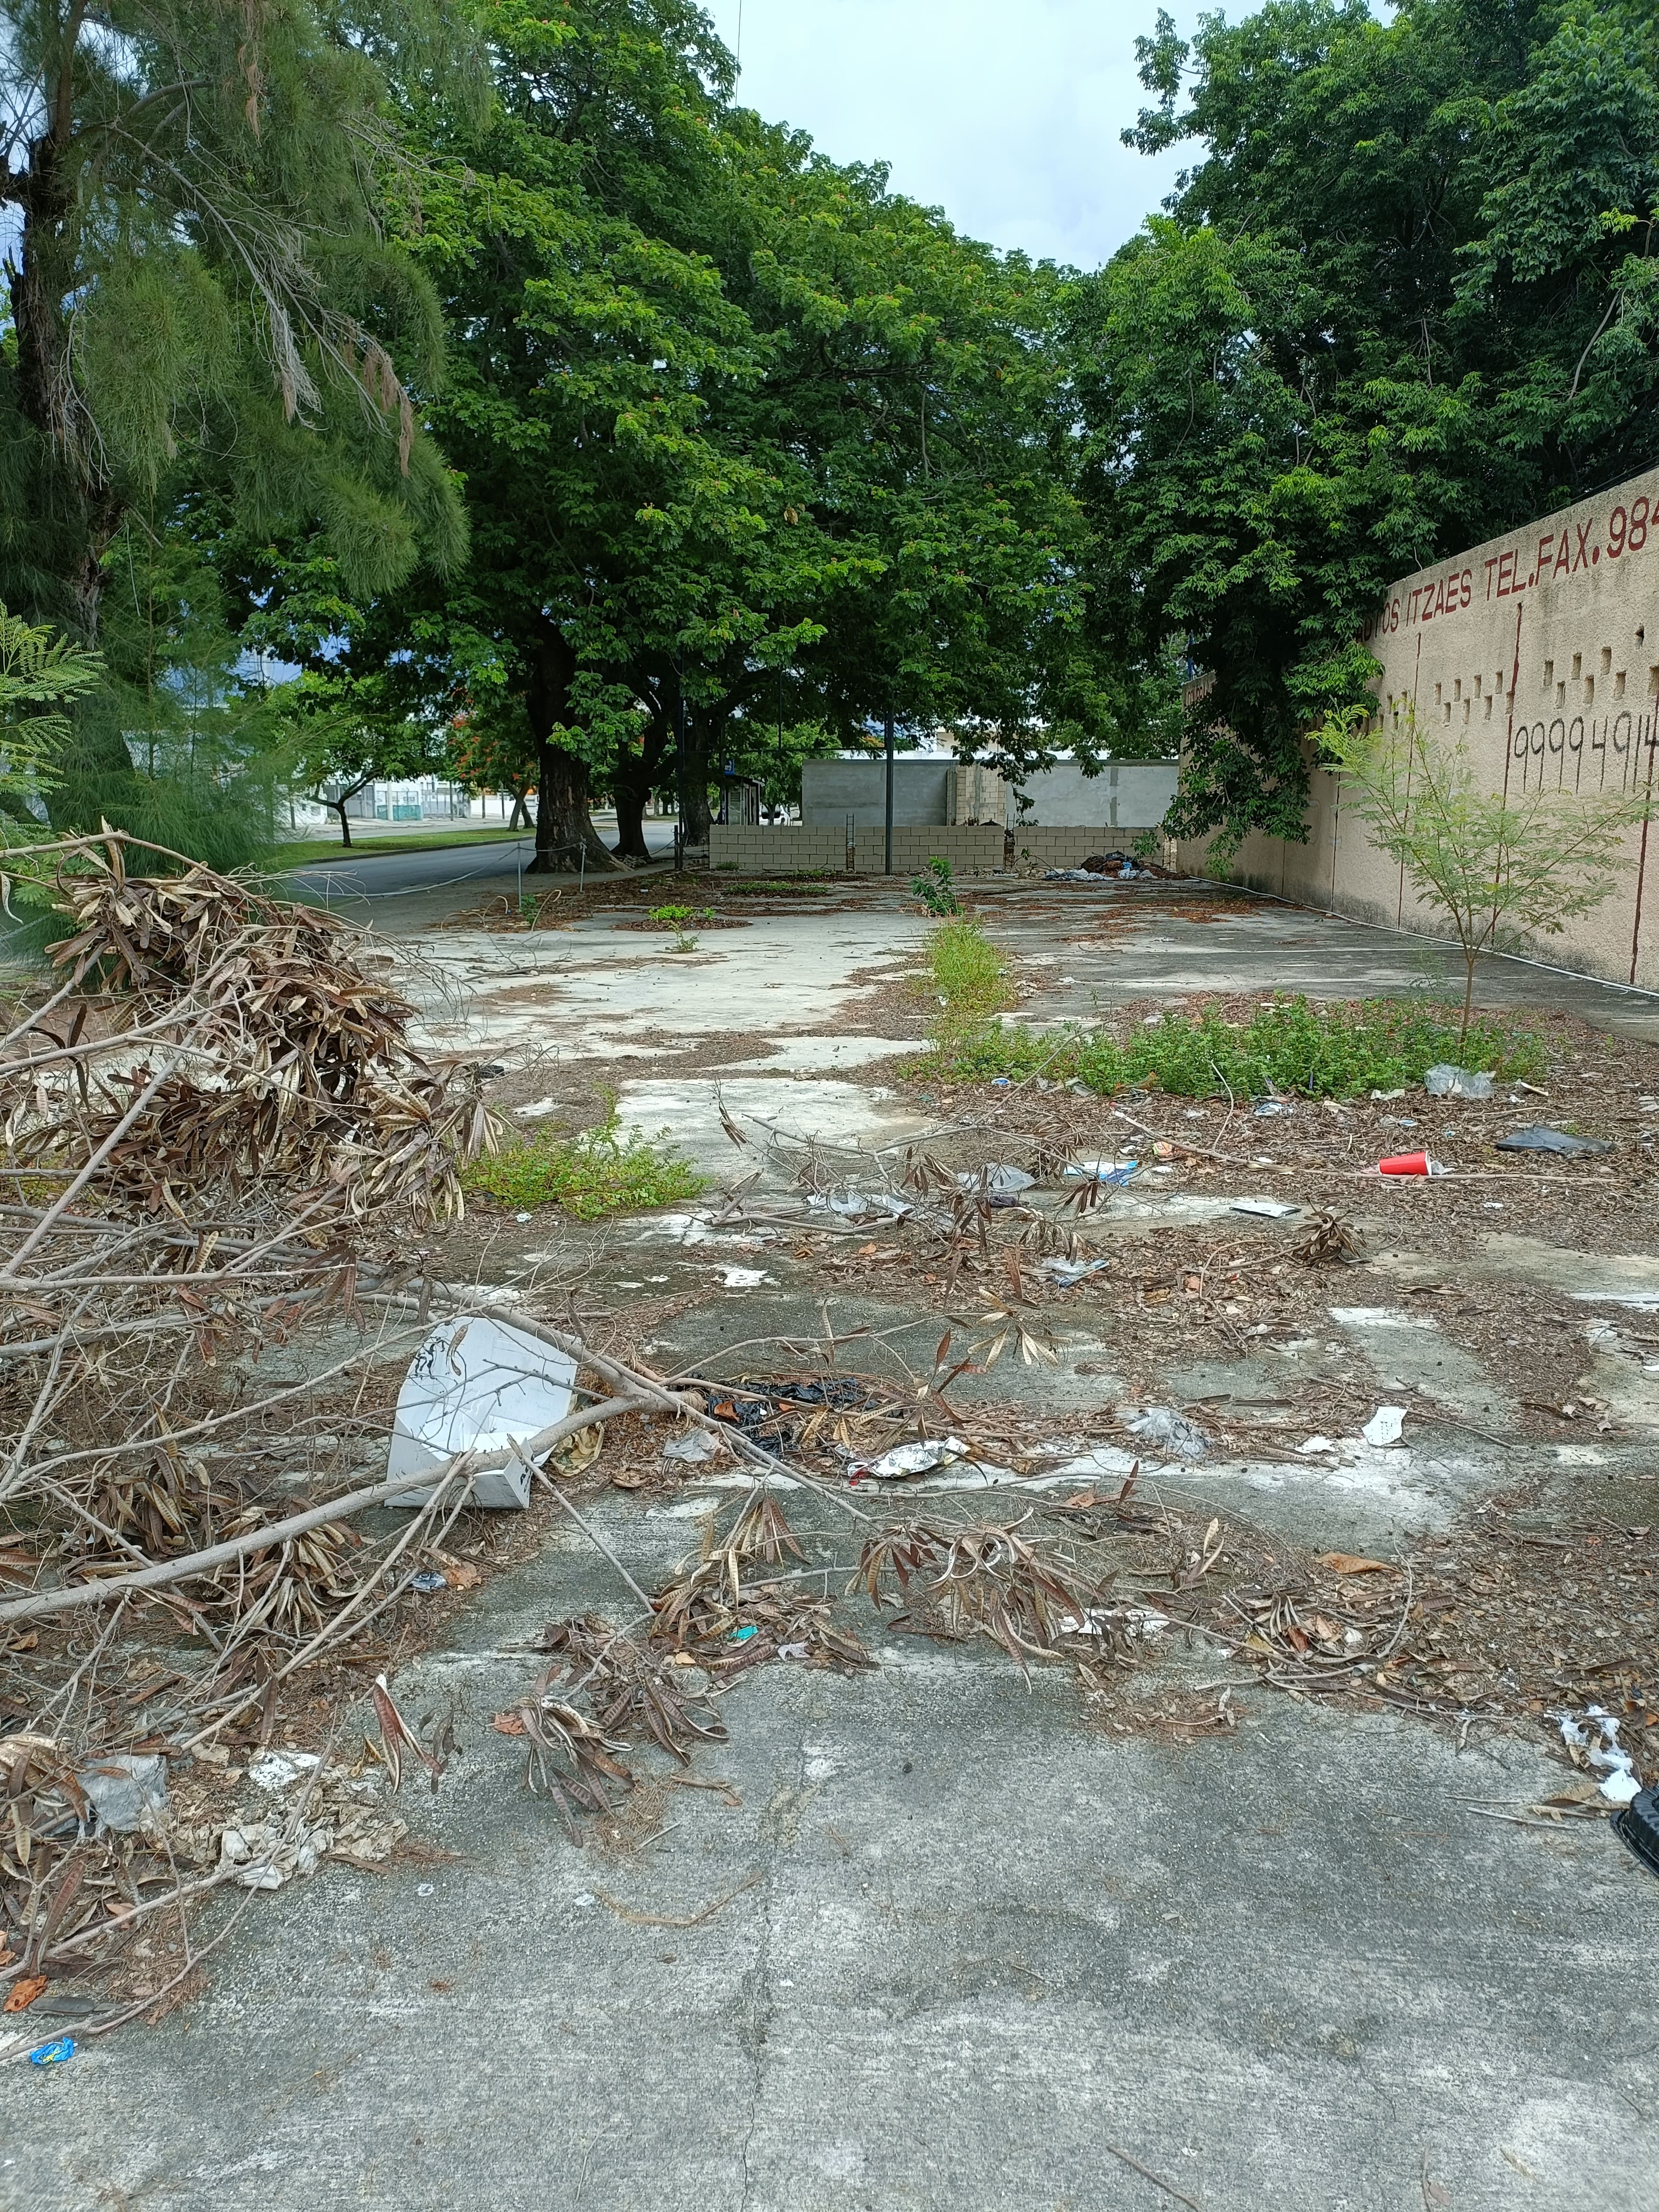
(476, 1385)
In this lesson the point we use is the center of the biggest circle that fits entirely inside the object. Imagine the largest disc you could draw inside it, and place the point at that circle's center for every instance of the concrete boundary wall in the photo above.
(1540, 650)
(779, 851)
(971, 851)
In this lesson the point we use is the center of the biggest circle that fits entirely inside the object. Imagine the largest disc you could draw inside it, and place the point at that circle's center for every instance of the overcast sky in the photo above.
(1004, 113)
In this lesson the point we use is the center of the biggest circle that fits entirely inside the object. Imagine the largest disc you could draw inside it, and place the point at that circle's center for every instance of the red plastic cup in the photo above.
(1407, 1163)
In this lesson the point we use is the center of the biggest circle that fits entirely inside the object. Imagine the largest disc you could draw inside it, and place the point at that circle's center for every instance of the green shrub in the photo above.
(1337, 1051)
(934, 888)
(596, 1172)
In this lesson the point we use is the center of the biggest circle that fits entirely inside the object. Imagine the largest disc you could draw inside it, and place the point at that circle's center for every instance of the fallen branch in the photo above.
(100, 1592)
(663, 1400)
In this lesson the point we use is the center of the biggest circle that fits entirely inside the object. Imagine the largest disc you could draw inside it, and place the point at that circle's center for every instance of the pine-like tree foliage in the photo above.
(204, 201)
(204, 261)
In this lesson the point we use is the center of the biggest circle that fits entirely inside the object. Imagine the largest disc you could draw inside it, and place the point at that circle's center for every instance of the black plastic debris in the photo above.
(1638, 1826)
(772, 1409)
(1550, 1140)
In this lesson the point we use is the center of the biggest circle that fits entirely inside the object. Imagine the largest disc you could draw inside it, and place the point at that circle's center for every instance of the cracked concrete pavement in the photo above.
(956, 1943)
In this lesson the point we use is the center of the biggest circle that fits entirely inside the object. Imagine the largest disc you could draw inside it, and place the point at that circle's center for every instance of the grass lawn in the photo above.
(303, 851)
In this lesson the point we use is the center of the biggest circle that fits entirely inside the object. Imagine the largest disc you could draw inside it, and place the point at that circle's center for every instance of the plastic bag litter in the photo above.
(1065, 1273)
(1116, 1172)
(1137, 1622)
(694, 1447)
(854, 1202)
(745, 1278)
(1386, 1427)
(1541, 1140)
(124, 1788)
(476, 1384)
(911, 1459)
(1443, 1080)
(999, 1179)
(1269, 1107)
(1162, 1425)
(1316, 1444)
(1619, 1784)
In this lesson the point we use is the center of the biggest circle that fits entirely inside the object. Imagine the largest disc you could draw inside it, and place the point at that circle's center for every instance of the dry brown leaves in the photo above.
(982, 1580)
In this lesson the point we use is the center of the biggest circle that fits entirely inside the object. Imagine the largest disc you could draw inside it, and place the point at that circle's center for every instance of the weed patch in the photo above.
(969, 977)
(597, 1172)
(1288, 1044)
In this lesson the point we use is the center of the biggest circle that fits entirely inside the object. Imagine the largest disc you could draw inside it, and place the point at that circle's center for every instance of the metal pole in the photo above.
(887, 733)
(679, 763)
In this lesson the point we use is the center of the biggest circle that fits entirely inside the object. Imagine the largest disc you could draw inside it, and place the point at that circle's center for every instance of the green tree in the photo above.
(491, 751)
(208, 295)
(727, 411)
(1402, 299)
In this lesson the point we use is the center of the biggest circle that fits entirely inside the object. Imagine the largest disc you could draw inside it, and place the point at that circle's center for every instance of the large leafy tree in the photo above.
(1402, 299)
(729, 415)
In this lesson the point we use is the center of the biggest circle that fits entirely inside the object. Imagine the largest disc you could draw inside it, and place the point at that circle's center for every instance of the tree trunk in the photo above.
(637, 773)
(339, 806)
(519, 817)
(563, 829)
(705, 730)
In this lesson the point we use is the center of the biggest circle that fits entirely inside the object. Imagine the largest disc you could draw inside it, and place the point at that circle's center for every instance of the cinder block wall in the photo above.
(779, 851)
(971, 850)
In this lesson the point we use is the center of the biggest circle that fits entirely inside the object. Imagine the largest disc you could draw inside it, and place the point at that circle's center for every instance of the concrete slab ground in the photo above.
(948, 1940)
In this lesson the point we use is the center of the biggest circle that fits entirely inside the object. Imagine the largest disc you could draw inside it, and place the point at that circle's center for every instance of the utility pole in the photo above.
(887, 734)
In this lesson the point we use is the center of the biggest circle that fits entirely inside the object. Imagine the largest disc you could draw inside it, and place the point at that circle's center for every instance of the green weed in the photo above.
(1288, 1044)
(676, 917)
(969, 980)
(934, 888)
(596, 1172)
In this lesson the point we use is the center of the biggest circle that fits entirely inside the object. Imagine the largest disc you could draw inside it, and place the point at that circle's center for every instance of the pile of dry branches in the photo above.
(219, 1139)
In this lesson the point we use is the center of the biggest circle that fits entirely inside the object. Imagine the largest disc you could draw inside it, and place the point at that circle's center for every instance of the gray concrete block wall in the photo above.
(779, 851)
(971, 850)
(1123, 793)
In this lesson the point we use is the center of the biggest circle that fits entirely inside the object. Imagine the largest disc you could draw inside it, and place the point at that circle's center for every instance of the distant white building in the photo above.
(933, 789)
